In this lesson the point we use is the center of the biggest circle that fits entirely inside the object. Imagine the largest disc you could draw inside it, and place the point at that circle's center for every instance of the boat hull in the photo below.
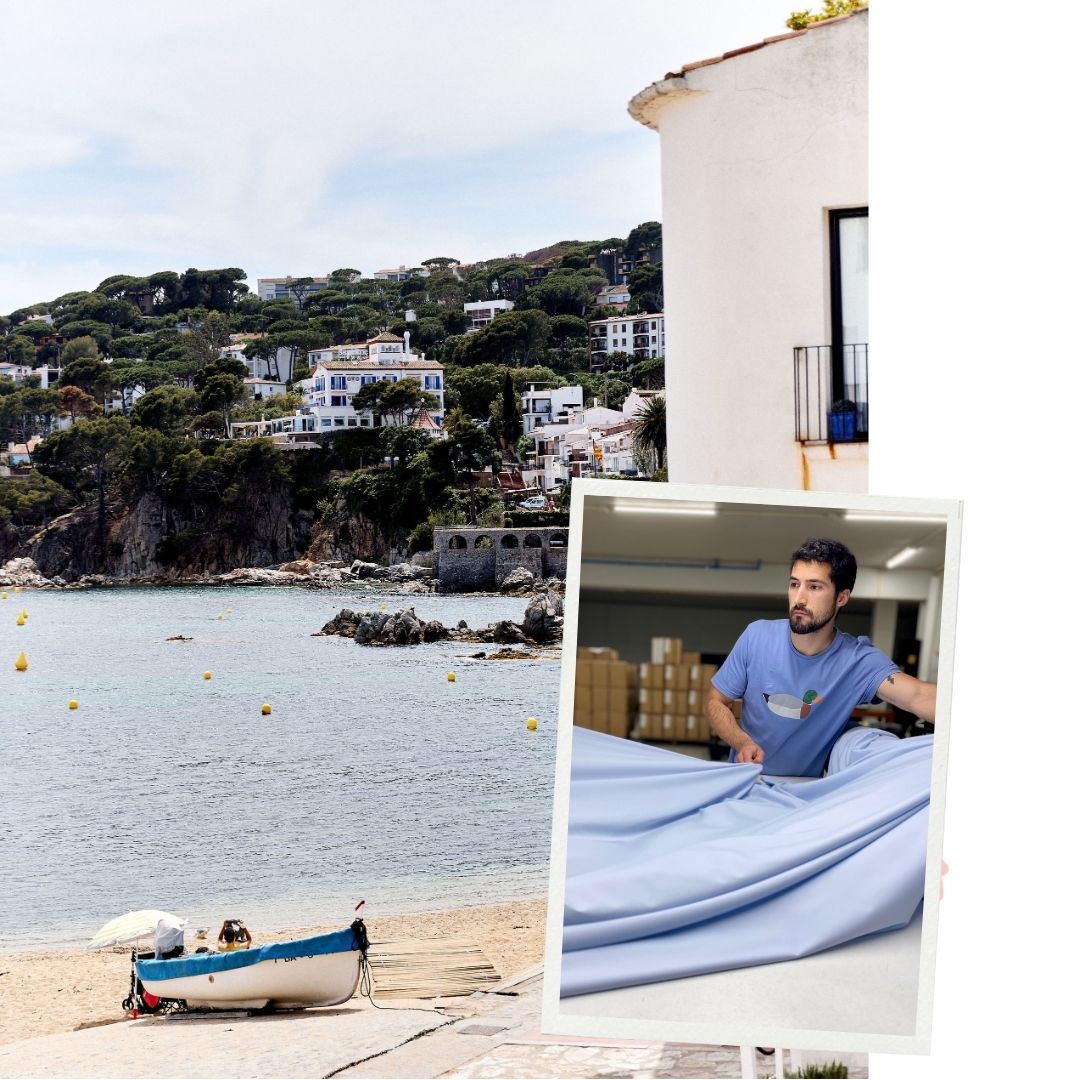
(310, 973)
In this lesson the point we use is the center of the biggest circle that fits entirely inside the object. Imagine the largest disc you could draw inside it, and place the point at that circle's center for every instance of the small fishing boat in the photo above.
(306, 973)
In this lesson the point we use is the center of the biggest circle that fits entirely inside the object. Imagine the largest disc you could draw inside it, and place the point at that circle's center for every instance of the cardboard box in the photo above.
(583, 699)
(600, 653)
(618, 678)
(649, 700)
(667, 726)
(651, 676)
(676, 677)
(665, 650)
(618, 723)
(697, 730)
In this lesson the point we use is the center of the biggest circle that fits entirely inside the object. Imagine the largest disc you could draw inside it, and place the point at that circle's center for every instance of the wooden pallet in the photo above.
(429, 967)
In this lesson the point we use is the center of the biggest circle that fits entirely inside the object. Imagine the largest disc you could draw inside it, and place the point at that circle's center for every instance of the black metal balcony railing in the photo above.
(826, 376)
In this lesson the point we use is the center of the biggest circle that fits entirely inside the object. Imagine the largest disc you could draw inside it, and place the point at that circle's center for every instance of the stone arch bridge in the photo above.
(480, 558)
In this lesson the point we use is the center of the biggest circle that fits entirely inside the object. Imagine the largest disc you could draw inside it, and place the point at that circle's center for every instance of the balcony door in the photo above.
(849, 252)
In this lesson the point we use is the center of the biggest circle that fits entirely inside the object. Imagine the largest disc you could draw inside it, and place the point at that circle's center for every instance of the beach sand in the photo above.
(43, 993)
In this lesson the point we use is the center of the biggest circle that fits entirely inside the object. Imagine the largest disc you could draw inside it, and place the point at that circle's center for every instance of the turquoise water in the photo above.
(373, 776)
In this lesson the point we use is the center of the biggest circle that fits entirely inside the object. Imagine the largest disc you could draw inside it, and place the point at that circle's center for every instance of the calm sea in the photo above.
(372, 777)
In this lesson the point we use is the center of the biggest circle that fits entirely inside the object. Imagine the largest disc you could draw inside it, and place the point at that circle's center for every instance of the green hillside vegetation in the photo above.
(163, 333)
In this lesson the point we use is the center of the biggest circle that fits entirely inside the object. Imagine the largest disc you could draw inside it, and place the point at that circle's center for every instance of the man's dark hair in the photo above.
(840, 561)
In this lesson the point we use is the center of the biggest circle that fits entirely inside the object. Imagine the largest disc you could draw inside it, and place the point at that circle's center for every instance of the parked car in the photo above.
(534, 502)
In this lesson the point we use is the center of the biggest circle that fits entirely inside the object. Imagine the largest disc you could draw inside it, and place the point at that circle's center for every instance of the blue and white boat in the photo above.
(305, 973)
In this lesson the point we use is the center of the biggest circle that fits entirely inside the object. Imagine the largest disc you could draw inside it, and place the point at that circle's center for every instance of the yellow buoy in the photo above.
(18, 588)
(228, 611)
(3, 595)
(219, 617)
(451, 677)
(207, 675)
(24, 614)
(20, 662)
(20, 621)
(531, 723)
(266, 710)
(73, 704)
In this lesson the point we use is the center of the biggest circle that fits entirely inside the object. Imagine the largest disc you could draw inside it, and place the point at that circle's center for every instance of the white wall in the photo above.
(754, 151)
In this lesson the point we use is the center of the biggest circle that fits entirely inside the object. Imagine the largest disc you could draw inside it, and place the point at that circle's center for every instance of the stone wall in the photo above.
(481, 558)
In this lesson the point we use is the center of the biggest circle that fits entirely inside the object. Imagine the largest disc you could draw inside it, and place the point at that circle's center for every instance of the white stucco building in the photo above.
(541, 406)
(483, 311)
(266, 377)
(583, 441)
(765, 211)
(283, 288)
(338, 373)
(642, 336)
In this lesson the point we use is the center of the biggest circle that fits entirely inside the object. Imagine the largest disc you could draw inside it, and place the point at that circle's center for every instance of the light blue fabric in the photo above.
(208, 963)
(794, 706)
(678, 867)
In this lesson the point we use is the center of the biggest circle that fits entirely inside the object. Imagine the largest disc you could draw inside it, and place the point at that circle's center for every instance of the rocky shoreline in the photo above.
(306, 573)
(542, 625)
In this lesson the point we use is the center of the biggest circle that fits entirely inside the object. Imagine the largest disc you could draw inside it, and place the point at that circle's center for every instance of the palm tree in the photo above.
(650, 434)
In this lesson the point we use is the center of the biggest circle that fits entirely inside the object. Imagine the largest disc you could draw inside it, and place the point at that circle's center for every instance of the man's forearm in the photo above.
(926, 703)
(723, 723)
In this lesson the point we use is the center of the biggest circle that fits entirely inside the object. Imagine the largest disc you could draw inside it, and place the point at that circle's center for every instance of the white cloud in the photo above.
(225, 122)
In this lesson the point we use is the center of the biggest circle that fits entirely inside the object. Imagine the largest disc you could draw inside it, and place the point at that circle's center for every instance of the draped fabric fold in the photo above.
(678, 867)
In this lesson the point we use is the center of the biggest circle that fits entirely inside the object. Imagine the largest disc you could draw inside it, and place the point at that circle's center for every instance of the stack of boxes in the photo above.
(605, 690)
(661, 701)
(672, 689)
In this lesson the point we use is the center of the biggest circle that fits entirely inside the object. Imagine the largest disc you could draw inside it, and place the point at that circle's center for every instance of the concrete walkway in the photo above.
(492, 1034)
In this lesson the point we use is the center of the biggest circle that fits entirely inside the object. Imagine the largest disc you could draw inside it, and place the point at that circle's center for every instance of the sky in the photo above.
(289, 139)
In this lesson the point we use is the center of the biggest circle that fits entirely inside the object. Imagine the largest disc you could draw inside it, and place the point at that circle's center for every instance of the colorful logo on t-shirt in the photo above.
(790, 706)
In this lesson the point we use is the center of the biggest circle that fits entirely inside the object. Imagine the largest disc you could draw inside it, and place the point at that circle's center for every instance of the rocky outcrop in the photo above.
(544, 617)
(343, 537)
(405, 628)
(23, 573)
(518, 580)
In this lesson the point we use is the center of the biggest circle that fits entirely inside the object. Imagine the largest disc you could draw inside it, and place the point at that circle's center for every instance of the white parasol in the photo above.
(131, 927)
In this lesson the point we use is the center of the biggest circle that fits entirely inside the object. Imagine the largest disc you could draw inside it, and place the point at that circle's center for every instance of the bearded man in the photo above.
(799, 678)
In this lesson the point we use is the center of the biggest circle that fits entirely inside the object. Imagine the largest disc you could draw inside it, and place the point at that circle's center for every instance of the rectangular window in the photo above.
(325, 421)
(337, 382)
(339, 401)
(367, 380)
(849, 260)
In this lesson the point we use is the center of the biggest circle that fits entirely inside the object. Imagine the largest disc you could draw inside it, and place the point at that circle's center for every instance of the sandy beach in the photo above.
(44, 993)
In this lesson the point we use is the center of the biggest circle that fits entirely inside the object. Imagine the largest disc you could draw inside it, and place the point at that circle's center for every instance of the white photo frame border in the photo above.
(556, 1022)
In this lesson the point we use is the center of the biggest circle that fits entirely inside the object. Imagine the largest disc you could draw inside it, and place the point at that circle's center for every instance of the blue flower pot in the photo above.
(842, 426)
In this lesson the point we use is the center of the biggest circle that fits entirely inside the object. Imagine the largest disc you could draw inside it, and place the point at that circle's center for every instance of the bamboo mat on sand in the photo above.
(429, 967)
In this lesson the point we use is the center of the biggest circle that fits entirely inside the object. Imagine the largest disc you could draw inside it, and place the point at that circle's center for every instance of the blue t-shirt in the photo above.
(795, 707)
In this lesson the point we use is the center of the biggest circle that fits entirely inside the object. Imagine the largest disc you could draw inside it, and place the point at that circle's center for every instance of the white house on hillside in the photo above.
(545, 406)
(765, 211)
(338, 373)
(642, 336)
(483, 311)
(266, 377)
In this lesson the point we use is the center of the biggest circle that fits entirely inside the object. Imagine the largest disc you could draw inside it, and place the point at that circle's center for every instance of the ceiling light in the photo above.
(902, 556)
(633, 507)
(899, 517)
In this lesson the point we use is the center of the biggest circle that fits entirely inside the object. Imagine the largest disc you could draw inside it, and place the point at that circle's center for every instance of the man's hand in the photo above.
(750, 754)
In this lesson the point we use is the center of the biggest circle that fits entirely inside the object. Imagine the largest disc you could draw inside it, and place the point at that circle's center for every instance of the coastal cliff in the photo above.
(151, 539)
